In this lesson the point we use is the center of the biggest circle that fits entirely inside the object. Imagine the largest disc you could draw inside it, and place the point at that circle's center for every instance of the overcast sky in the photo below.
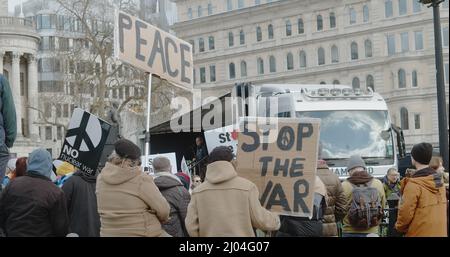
(12, 3)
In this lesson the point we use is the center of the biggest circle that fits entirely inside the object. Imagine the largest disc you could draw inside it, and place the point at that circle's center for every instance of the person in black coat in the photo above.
(79, 190)
(31, 205)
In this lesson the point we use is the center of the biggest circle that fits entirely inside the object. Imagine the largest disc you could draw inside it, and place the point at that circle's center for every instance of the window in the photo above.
(240, 3)
(416, 6)
(391, 44)
(404, 41)
(319, 22)
(354, 51)
(59, 132)
(417, 121)
(230, 39)
(302, 59)
(356, 83)
(210, 10)
(48, 133)
(290, 61)
(260, 64)
(368, 48)
(332, 20)
(388, 9)
(352, 14)
(445, 36)
(418, 39)
(66, 111)
(336, 82)
(334, 54)
(272, 64)
(365, 13)
(259, 33)
(201, 45)
(202, 75)
(47, 110)
(257, 2)
(288, 28)
(127, 92)
(401, 78)
(370, 83)
(402, 8)
(229, 5)
(212, 73)
(322, 83)
(301, 28)
(445, 5)
(190, 13)
(58, 110)
(269, 31)
(199, 11)
(22, 84)
(242, 37)
(404, 123)
(243, 69)
(232, 70)
(320, 56)
(414, 78)
(192, 42)
(211, 43)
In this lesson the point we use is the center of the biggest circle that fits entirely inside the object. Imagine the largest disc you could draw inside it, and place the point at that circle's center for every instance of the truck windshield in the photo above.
(360, 132)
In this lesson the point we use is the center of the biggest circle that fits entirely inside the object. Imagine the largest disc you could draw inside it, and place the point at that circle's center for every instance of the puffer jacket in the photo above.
(337, 203)
(178, 197)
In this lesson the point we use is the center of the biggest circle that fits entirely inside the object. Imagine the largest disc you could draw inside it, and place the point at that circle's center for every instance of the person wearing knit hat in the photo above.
(127, 149)
(422, 153)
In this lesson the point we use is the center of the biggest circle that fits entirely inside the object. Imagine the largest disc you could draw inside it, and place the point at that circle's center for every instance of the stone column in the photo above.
(15, 88)
(33, 97)
(1, 62)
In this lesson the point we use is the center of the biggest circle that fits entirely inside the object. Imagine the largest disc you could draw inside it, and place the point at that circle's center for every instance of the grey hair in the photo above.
(116, 159)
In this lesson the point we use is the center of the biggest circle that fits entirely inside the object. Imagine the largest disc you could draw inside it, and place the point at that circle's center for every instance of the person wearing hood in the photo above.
(423, 206)
(175, 193)
(79, 190)
(129, 203)
(391, 183)
(358, 176)
(225, 204)
(31, 205)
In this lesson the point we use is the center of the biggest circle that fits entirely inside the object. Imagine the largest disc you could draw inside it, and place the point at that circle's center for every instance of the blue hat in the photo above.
(40, 162)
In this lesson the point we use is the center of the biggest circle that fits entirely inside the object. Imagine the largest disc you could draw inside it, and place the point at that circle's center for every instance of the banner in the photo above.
(280, 157)
(171, 156)
(153, 50)
(225, 136)
(84, 142)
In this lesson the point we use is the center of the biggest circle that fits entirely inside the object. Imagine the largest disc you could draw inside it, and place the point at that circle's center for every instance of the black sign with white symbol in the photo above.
(84, 142)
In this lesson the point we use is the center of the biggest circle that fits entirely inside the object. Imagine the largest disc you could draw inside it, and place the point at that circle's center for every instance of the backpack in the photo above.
(365, 207)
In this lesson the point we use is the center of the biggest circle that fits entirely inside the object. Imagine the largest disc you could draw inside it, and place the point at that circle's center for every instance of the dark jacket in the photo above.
(32, 206)
(390, 188)
(79, 190)
(337, 203)
(8, 126)
(178, 198)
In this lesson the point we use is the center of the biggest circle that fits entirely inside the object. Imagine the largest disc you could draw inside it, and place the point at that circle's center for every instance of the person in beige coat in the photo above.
(227, 205)
(129, 203)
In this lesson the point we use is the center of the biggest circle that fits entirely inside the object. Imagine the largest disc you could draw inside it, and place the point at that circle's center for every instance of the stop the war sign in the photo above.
(85, 140)
(226, 136)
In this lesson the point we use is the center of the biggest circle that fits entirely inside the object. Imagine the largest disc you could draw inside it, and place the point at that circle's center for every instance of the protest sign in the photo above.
(281, 160)
(226, 136)
(171, 156)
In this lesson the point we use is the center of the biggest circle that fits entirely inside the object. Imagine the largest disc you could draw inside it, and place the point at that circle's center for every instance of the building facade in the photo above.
(387, 45)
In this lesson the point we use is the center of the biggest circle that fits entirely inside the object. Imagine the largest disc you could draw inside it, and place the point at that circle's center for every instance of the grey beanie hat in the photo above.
(355, 161)
(161, 164)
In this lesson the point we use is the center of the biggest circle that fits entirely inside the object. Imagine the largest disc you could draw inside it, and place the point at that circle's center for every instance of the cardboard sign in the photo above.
(84, 142)
(281, 159)
(226, 136)
(153, 50)
(171, 156)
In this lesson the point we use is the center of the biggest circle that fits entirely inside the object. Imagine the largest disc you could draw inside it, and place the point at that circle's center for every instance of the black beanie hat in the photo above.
(127, 149)
(221, 153)
(422, 153)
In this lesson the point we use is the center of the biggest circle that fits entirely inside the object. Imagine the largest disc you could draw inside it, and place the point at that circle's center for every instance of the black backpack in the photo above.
(365, 210)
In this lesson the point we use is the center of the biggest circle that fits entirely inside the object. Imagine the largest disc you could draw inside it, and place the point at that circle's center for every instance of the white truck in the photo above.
(352, 121)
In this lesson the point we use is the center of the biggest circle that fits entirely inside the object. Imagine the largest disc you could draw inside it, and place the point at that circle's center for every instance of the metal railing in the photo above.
(26, 22)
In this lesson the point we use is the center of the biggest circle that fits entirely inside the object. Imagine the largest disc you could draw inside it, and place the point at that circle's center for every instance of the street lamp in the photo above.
(440, 86)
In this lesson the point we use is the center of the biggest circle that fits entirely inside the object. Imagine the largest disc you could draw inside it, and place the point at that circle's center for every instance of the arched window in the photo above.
(366, 13)
(288, 28)
(270, 31)
(336, 82)
(243, 69)
(319, 22)
(290, 61)
(320, 56)
(190, 13)
(370, 83)
(355, 83)
(201, 45)
(401, 78)
(303, 59)
(334, 54)
(272, 64)
(241, 37)
(232, 70)
(211, 43)
(354, 50)
(368, 48)
(260, 63)
(240, 3)
(301, 28)
(415, 82)
(352, 14)
(199, 11)
(332, 20)
(404, 121)
(210, 9)
(258, 34)
(323, 83)
(230, 39)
